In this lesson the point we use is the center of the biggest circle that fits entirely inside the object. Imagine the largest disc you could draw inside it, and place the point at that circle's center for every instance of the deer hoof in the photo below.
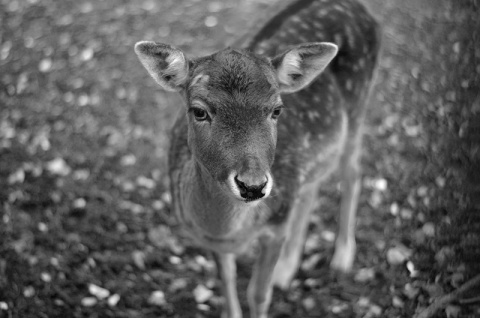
(343, 257)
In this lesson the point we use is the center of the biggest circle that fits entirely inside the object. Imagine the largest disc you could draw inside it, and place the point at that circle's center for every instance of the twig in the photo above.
(443, 301)
(470, 300)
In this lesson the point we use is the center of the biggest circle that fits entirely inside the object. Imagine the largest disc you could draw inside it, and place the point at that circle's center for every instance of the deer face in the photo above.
(233, 105)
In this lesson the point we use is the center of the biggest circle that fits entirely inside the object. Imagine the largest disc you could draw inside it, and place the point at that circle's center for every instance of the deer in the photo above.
(264, 124)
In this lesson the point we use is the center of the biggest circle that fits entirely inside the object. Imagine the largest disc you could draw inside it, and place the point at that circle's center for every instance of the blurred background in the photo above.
(85, 229)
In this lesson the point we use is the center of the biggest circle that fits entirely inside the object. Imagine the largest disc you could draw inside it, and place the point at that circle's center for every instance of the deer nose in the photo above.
(251, 188)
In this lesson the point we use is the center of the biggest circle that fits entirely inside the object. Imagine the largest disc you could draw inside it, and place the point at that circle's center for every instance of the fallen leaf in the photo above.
(166, 197)
(46, 277)
(364, 275)
(444, 254)
(397, 302)
(202, 293)
(113, 300)
(429, 229)
(313, 241)
(433, 290)
(207, 265)
(411, 269)
(406, 214)
(16, 177)
(131, 206)
(328, 236)
(24, 243)
(457, 279)
(440, 181)
(162, 237)
(79, 203)
(128, 160)
(394, 209)
(178, 284)
(158, 205)
(81, 174)
(452, 311)
(308, 303)
(203, 307)
(339, 308)
(375, 199)
(175, 260)
(373, 311)
(310, 263)
(145, 182)
(381, 184)
(58, 166)
(157, 298)
(89, 301)
(398, 255)
(97, 291)
(45, 65)
(29, 291)
(419, 237)
(410, 291)
(363, 302)
(422, 191)
(139, 259)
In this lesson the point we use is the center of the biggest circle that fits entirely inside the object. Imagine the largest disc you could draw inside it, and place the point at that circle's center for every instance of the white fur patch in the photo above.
(307, 61)
(177, 66)
(268, 186)
(200, 79)
(290, 65)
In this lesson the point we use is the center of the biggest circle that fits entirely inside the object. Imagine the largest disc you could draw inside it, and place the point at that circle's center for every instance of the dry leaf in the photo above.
(364, 275)
(97, 291)
(202, 294)
(139, 259)
(452, 311)
(89, 301)
(16, 177)
(113, 300)
(398, 255)
(410, 291)
(58, 166)
(157, 298)
(429, 229)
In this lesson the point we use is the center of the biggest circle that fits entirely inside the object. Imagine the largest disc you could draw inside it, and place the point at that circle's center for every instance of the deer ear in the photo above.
(297, 67)
(166, 64)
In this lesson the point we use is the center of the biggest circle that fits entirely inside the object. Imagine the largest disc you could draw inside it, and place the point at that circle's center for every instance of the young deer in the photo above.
(260, 134)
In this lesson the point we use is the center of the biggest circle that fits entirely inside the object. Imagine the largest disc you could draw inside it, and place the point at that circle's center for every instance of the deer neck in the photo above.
(213, 212)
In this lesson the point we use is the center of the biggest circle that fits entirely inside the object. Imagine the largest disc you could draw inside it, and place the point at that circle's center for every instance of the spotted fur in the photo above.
(229, 135)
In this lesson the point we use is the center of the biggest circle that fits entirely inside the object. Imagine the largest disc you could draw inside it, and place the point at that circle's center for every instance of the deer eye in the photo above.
(199, 114)
(276, 112)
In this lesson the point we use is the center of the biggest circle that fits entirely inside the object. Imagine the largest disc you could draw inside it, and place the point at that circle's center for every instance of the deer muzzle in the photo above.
(250, 187)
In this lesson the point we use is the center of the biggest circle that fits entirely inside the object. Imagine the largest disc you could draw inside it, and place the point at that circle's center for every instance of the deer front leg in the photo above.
(227, 269)
(345, 245)
(260, 287)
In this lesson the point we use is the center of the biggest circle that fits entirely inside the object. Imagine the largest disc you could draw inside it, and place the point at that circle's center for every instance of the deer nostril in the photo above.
(250, 192)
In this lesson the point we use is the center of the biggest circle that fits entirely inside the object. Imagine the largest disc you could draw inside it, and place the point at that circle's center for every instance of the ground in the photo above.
(84, 200)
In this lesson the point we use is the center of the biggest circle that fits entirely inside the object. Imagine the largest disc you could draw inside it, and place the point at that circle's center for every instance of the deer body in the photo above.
(241, 172)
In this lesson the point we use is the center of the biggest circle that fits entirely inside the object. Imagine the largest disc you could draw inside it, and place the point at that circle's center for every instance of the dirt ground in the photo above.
(84, 201)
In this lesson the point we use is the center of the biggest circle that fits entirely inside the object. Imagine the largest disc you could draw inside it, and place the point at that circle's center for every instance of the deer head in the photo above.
(233, 100)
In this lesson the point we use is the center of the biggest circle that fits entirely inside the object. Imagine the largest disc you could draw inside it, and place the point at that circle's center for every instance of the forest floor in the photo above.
(84, 200)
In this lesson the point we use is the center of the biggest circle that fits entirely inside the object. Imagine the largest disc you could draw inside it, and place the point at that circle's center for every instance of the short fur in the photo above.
(230, 132)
